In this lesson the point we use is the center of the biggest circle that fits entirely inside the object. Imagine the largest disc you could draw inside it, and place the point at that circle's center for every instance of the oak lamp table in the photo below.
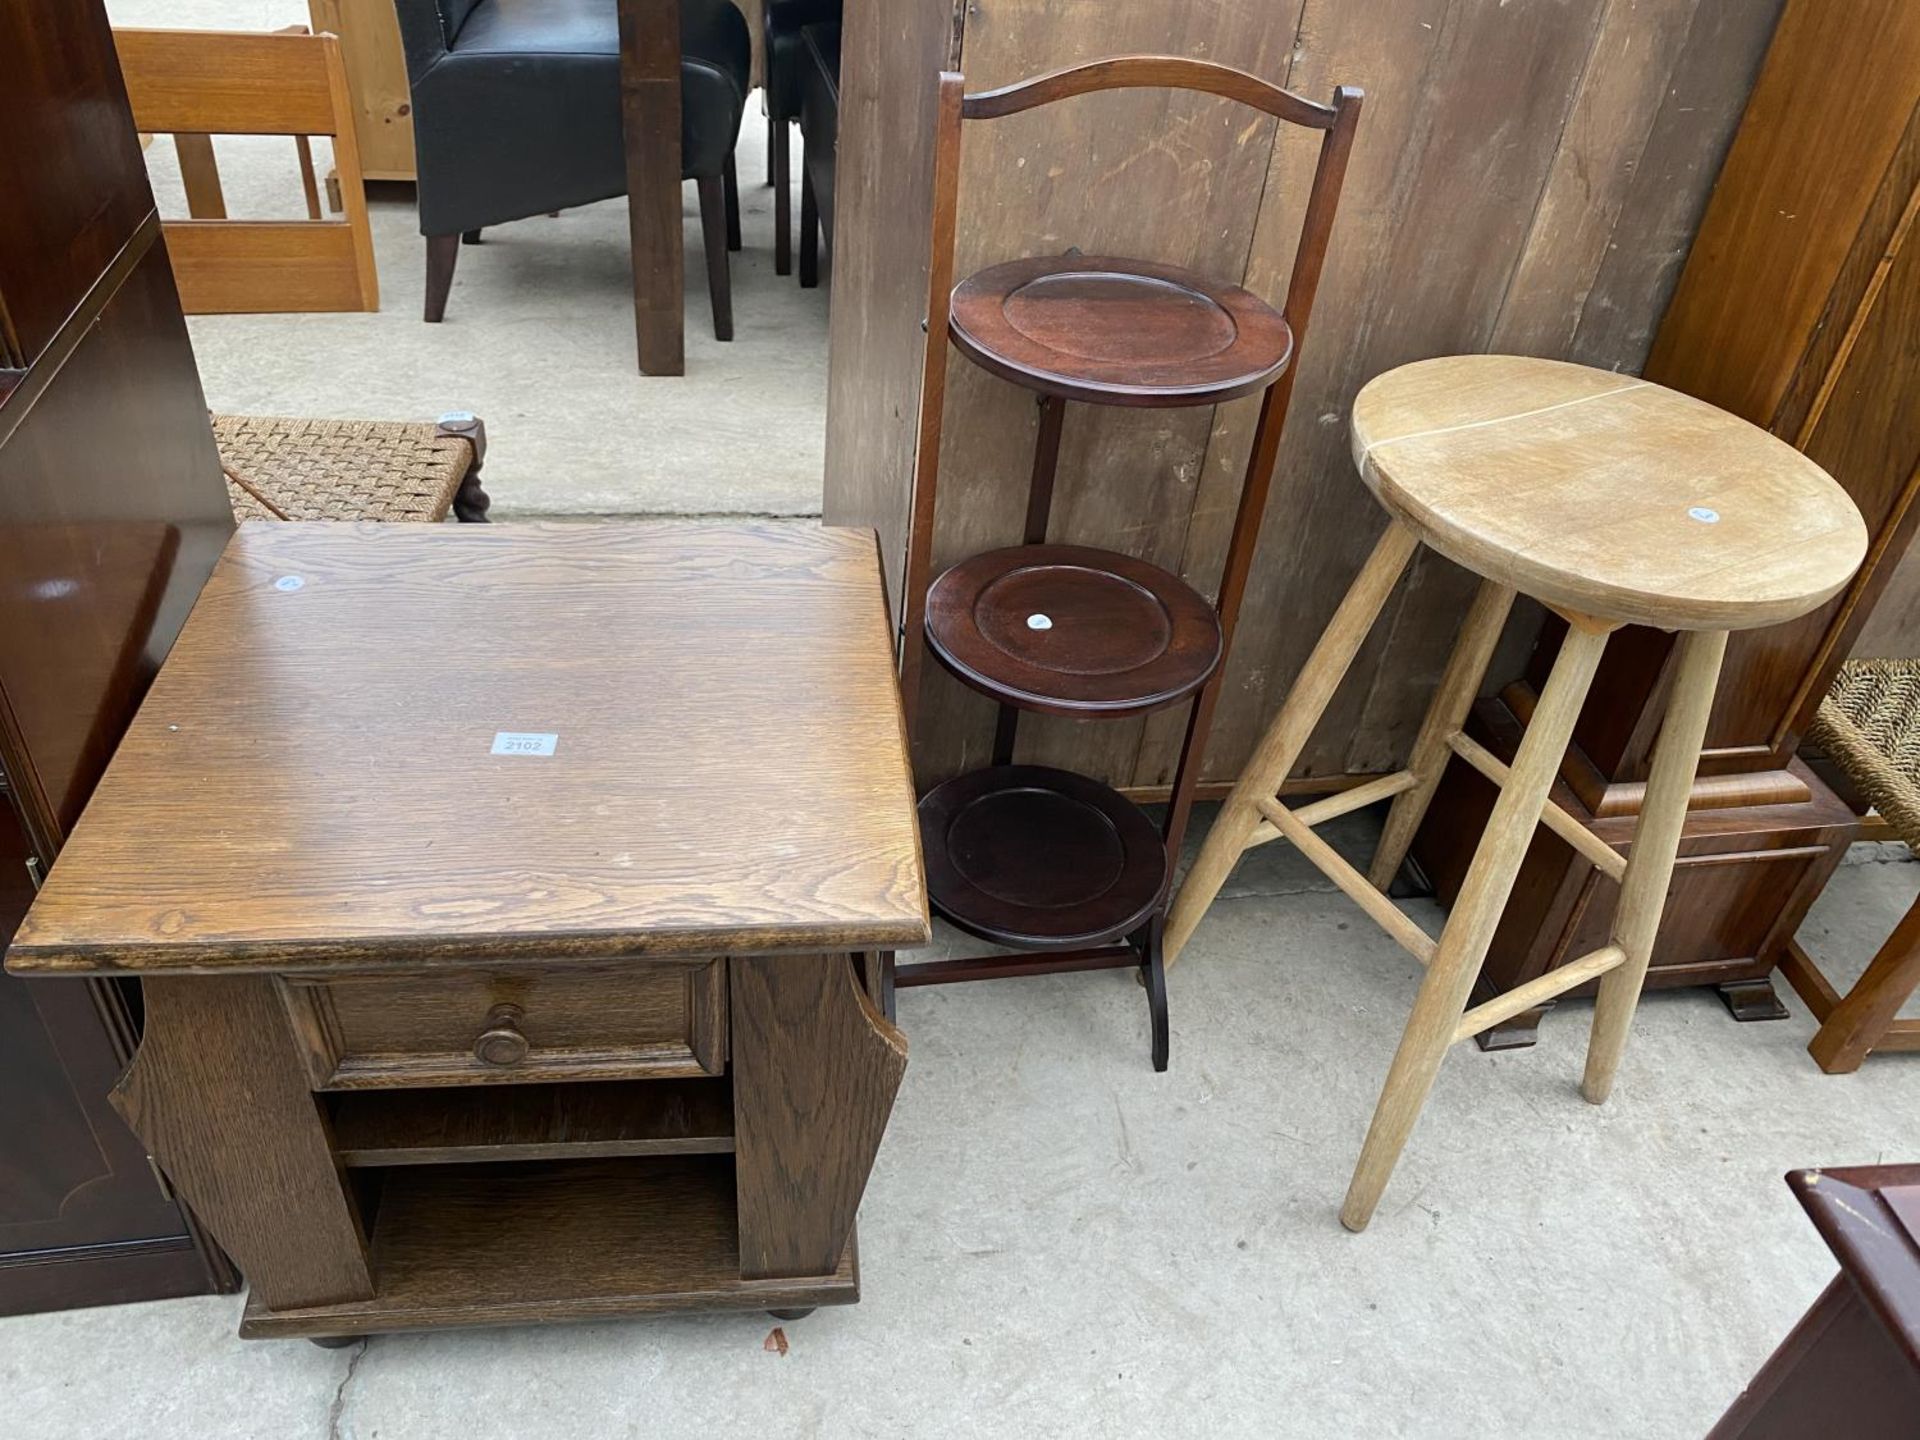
(500, 897)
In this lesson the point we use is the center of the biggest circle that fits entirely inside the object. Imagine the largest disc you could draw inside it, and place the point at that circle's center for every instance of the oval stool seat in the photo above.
(1039, 858)
(1072, 631)
(1605, 494)
(1112, 331)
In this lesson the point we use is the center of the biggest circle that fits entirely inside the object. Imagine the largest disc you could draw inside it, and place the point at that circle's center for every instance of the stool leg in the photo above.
(1463, 944)
(1288, 735)
(1447, 712)
(1656, 840)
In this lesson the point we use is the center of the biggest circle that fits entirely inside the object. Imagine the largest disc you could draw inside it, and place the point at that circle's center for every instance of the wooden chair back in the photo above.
(193, 84)
(1337, 122)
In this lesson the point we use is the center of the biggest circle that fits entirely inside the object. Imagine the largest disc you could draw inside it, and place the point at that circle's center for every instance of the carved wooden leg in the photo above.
(443, 252)
(730, 187)
(1656, 841)
(713, 234)
(815, 1070)
(1153, 974)
(1289, 733)
(780, 145)
(1849, 1034)
(219, 1097)
(470, 502)
(1446, 713)
(1476, 912)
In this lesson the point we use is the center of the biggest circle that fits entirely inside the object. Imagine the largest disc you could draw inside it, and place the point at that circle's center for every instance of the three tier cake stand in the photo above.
(1057, 866)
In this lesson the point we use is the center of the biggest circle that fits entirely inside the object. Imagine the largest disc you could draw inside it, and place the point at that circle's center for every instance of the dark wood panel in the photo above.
(71, 170)
(112, 513)
(588, 1120)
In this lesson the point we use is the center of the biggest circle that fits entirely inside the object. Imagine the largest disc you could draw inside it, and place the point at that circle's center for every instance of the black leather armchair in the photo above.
(516, 112)
(786, 67)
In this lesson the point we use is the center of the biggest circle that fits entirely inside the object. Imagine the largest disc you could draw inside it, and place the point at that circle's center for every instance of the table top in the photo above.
(1604, 493)
(424, 745)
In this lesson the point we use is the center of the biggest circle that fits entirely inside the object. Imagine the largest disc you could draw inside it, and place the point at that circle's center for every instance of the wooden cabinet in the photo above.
(1798, 310)
(112, 511)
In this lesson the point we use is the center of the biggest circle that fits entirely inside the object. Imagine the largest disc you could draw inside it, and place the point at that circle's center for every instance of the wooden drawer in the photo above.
(632, 1021)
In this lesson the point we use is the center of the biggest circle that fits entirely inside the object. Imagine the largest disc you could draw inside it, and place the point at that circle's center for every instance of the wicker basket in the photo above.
(1869, 725)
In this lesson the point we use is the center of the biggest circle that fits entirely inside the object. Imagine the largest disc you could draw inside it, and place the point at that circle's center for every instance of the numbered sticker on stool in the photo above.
(520, 742)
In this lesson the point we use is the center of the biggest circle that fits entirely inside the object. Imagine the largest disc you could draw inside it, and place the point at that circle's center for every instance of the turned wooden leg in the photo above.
(219, 1096)
(713, 227)
(470, 502)
(1470, 926)
(1849, 1034)
(1446, 713)
(815, 1070)
(809, 234)
(1656, 841)
(780, 147)
(443, 252)
(1288, 734)
(730, 182)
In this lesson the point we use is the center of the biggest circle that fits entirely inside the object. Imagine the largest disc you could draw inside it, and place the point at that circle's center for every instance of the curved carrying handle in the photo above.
(1149, 72)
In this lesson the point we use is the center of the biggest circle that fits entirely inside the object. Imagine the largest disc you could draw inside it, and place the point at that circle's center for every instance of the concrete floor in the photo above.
(1056, 1241)
(538, 338)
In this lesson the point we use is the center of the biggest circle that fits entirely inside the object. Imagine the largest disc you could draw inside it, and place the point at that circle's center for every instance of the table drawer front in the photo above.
(635, 1021)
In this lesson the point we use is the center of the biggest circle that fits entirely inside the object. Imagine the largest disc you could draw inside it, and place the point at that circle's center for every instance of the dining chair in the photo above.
(786, 70)
(516, 112)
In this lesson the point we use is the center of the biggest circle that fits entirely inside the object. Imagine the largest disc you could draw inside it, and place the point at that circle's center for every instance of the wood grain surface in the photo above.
(815, 1070)
(1527, 177)
(1605, 495)
(729, 773)
(458, 1245)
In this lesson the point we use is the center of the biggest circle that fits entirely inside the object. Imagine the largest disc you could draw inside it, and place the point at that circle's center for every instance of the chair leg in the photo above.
(1470, 926)
(809, 234)
(1656, 841)
(443, 252)
(469, 237)
(1287, 736)
(1859, 1021)
(713, 231)
(470, 501)
(730, 180)
(780, 147)
(1446, 713)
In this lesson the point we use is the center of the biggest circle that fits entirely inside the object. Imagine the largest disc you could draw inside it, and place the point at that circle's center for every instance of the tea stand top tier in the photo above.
(1027, 856)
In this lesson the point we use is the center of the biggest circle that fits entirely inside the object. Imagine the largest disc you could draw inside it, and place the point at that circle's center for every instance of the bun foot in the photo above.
(792, 1314)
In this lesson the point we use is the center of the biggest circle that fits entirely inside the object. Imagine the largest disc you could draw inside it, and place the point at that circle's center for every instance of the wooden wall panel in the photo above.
(1528, 177)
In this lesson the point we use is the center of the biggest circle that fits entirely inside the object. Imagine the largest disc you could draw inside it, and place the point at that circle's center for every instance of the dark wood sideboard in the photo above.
(1797, 310)
(112, 512)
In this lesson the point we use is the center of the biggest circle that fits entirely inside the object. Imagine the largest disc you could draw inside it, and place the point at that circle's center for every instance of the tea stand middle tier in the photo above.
(1053, 864)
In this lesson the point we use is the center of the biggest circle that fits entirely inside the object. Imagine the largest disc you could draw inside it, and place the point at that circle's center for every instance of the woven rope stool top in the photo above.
(1605, 494)
(339, 469)
(1870, 725)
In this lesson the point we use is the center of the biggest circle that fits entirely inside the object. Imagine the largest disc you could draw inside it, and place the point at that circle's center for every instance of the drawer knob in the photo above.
(501, 1042)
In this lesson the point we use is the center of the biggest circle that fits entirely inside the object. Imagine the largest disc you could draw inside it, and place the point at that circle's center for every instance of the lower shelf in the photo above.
(1038, 858)
(470, 1245)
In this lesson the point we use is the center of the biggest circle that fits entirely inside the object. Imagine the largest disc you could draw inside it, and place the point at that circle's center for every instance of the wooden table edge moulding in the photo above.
(1612, 501)
(449, 1024)
(1053, 864)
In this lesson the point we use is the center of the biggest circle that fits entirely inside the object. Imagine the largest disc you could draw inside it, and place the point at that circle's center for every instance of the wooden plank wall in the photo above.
(1528, 177)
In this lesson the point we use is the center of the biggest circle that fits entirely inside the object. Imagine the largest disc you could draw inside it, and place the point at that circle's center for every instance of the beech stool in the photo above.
(1612, 501)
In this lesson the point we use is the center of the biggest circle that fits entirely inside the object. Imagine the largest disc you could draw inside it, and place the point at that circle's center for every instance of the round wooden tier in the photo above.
(1072, 631)
(1038, 858)
(1112, 331)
